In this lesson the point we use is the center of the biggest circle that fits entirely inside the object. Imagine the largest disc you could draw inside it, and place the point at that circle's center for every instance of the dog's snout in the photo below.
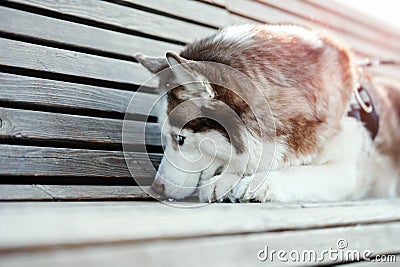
(158, 186)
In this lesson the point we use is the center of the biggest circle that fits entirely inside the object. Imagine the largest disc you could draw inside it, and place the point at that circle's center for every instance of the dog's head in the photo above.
(200, 119)
(213, 117)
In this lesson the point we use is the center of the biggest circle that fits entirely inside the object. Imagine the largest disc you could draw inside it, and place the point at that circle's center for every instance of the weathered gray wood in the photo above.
(224, 251)
(10, 192)
(56, 94)
(138, 222)
(336, 22)
(267, 14)
(220, 3)
(388, 263)
(96, 192)
(124, 17)
(192, 10)
(217, 16)
(68, 33)
(351, 14)
(45, 161)
(18, 192)
(237, 20)
(44, 126)
(35, 57)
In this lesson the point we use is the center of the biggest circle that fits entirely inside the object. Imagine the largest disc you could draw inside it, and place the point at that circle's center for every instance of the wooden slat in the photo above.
(55, 94)
(361, 18)
(334, 21)
(139, 222)
(36, 57)
(25, 125)
(71, 193)
(13, 21)
(233, 19)
(387, 263)
(188, 9)
(238, 20)
(219, 3)
(124, 17)
(267, 14)
(47, 161)
(23, 192)
(225, 251)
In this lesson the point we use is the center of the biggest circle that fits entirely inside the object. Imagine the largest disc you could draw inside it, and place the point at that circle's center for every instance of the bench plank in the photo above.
(372, 263)
(217, 16)
(124, 17)
(219, 3)
(71, 193)
(54, 60)
(335, 22)
(351, 14)
(18, 22)
(25, 125)
(25, 90)
(191, 10)
(52, 162)
(267, 14)
(223, 251)
(139, 222)
(23, 192)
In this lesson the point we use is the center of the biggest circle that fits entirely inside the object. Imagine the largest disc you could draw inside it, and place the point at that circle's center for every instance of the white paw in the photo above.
(217, 188)
(259, 187)
(240, 189)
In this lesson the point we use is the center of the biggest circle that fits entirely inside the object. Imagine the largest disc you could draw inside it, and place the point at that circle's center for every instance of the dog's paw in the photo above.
(217, 188)
(240, 189)
(259, 188)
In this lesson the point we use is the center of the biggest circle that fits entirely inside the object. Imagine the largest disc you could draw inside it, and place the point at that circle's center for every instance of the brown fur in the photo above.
(301, 105)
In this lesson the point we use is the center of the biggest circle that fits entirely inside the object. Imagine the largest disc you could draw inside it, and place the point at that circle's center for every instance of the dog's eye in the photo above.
(180, 139)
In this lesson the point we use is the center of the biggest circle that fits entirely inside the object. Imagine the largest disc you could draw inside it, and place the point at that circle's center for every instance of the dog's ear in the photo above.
(194, 83)
(153, 64)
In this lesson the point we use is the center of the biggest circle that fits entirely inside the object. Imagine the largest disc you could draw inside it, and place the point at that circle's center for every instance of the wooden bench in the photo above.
(67, 75)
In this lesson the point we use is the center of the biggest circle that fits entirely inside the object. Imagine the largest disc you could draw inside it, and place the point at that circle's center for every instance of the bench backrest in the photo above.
(67, 74)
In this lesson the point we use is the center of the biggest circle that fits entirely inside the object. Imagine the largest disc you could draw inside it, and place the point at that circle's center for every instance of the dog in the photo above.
(260, 113)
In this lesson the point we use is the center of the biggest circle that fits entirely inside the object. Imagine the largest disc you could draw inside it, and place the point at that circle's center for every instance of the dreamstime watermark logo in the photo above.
(339, 253)
(194, 162)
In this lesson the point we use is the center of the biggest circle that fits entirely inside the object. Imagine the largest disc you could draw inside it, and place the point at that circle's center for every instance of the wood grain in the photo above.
(46, 161)
(124, 17)
(219, 3)
(18, 22)
(71, 193)
(25, 90)
(191, 10)
(261, 12)
(125, 222)
(23, 192)
(46, 126)
(53, 60)
(373, 263)
(354, 15)
(225, 251)
(336, 22)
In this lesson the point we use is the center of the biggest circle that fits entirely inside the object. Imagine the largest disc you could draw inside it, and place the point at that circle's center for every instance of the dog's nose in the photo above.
(158, 186)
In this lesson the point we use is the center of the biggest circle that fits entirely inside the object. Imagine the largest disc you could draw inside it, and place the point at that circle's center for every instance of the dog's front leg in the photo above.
(326, 182)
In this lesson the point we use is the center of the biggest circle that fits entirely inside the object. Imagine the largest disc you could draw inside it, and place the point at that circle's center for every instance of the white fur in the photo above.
(336, 174)
(242, 34)
(303, 33)
(183, 169)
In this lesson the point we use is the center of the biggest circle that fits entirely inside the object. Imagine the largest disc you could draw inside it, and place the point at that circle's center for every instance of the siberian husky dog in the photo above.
(260, 113)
